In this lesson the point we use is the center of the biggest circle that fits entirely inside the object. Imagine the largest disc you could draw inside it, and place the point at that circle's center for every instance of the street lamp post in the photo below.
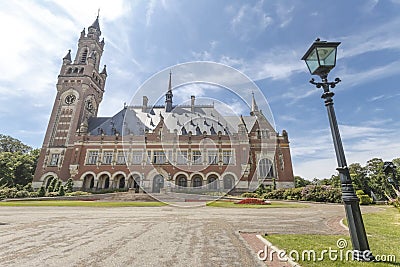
(320, 59)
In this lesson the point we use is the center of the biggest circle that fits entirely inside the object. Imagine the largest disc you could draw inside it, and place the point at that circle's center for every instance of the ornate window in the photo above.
(159, 157)
(92, 157)
(265, 168)
(121, 158)
(227, 157)
(54, 159)
(196, 157)
(182, 157)
(212, 157)
(107, 157)
(137, 157)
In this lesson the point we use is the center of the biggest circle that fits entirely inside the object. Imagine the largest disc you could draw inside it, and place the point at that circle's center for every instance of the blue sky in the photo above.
(263, 39)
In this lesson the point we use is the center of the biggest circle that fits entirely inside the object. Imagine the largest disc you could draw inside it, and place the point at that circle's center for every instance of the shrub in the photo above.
(42, 191)
(275, 194)
(293, 193)
(52, 194)
(360, 192)
(253, 201)
(110, 190)
(28, 187)
(364, 199)
(250, 194)
(77, 193)
(61, 192)
(69, 185)
(22, 194)
(57, 186)
(33, 194)
(8, 192)
(50, 189)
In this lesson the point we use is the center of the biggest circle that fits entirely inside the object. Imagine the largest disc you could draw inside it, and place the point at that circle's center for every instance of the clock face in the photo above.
(70, 99)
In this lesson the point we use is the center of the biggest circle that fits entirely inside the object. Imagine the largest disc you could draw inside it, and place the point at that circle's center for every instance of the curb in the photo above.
(276, 249)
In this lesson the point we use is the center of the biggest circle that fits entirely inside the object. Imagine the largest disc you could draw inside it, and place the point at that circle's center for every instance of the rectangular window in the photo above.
(227, 157)
(92, 157)
(107, 157)
(196, 157)
(121, 158)
(212, 157)
(137, 157)
(159, 157)
(54, 159)
(182, 157)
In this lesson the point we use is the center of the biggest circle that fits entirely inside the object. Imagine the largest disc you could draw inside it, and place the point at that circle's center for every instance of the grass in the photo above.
(76, 203)
(383, 229)
(229, 204)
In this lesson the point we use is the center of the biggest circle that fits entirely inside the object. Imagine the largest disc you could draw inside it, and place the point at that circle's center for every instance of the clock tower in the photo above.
(80, 89)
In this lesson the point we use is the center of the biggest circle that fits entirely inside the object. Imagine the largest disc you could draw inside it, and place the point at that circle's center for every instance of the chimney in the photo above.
(192, 98)
(145, 101)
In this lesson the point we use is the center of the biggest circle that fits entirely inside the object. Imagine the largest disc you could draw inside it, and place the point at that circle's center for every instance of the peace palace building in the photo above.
(163, 148)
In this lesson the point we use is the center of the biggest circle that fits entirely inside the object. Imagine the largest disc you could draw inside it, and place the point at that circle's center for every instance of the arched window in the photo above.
(228, 181)
(265, 168)
(182, 181)
(69, 71)
(84, 56)
(197, 181)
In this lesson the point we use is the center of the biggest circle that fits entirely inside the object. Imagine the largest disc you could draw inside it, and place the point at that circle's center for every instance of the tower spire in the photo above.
(169, 95)
(254, 107)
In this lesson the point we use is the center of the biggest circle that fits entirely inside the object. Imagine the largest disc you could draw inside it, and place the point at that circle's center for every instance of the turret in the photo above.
(168, 96)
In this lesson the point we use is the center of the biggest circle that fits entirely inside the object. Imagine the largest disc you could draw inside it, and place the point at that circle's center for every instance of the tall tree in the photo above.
(10, 144)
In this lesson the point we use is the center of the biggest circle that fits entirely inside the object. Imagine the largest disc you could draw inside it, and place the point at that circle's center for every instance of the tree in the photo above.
(61, 191)
(12, 145)
(69, 185)
(300, 182)
(41, 191)
(377, 180)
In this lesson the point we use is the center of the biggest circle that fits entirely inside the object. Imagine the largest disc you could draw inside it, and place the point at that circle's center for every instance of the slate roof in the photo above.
(181, 119)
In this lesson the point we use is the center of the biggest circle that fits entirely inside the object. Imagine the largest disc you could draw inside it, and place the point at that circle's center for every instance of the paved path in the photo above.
(149, 236)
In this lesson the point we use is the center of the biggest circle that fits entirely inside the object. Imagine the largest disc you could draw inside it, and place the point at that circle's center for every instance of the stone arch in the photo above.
(197, 180)
(119, 180)
(134, 181)
(228, 181)
(181, 180)
(158, 183)
(88, 181)
(212, 181)
(104, 180)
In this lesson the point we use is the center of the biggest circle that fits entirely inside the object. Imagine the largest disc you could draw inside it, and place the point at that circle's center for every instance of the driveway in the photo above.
(150, 236)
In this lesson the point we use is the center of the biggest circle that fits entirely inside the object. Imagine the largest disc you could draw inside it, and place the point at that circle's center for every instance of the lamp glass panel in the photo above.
(312, 61)
(327, 55)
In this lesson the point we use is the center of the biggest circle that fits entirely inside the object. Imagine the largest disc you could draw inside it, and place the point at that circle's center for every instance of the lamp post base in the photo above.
(365, 255)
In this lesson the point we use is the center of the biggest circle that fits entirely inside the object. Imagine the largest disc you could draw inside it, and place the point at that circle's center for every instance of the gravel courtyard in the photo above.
(150, 236)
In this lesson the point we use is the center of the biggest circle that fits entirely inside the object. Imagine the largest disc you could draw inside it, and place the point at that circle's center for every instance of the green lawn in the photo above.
(383, 229)
(76, 203)
(229, 204)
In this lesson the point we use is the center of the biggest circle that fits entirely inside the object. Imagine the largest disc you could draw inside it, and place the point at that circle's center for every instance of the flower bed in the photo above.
(253, 201)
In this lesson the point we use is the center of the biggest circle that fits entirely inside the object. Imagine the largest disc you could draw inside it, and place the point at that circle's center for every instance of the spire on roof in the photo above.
(104, 71)
(67, 57)
(95, 27)
(168, 95)
(254, 107)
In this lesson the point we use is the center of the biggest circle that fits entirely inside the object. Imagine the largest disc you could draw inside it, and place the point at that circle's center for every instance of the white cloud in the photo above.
(249, 21)
(315, 157)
